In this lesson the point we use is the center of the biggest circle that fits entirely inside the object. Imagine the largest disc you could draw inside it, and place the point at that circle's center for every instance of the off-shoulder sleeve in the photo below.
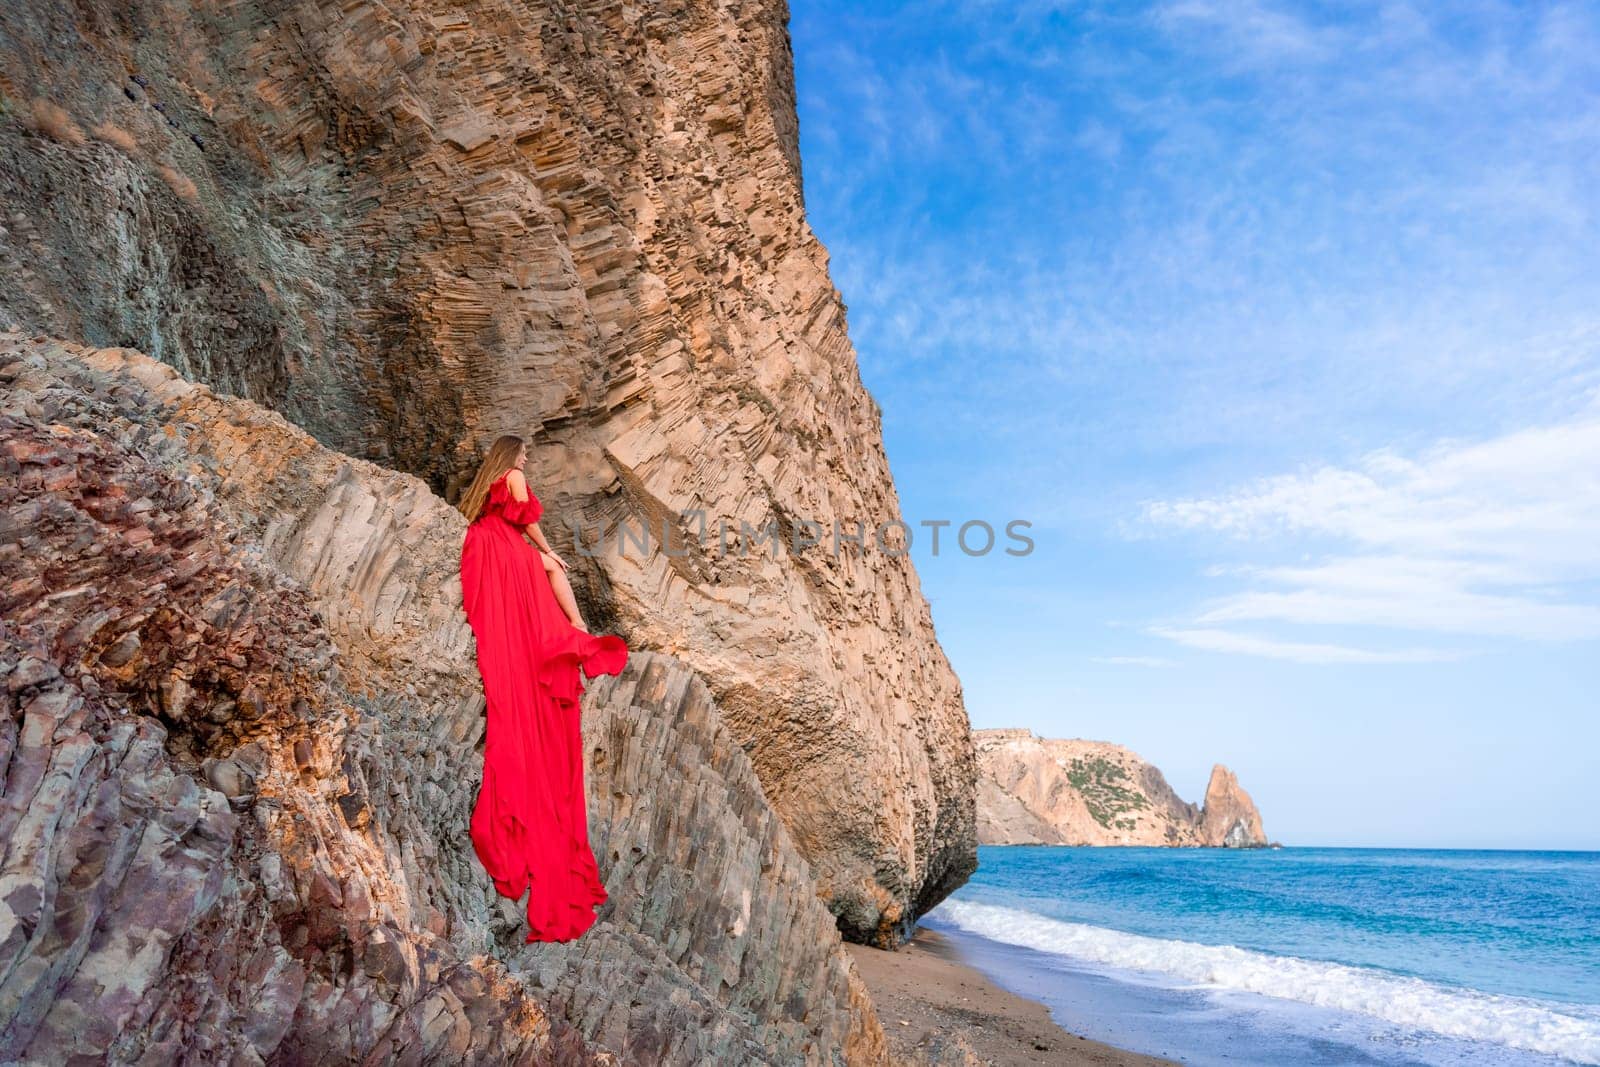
(521, 512)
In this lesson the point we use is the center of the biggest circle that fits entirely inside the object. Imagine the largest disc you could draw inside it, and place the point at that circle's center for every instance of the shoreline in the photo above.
(936, 1008)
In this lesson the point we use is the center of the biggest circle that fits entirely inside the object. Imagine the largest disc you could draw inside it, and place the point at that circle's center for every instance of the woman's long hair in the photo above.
(501, 458)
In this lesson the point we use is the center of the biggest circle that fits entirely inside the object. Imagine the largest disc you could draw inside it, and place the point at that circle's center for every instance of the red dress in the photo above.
(531, 822)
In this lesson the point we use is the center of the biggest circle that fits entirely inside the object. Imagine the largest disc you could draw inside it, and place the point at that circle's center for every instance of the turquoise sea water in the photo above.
(1297, 955)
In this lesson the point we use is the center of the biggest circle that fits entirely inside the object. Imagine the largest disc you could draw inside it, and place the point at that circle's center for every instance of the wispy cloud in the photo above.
(1495, 539)
(1525, 503)
(1249, 30)
(1146, 233)
(1399, 592)
(1135, 661)
(1295, 651)
(1137, 246)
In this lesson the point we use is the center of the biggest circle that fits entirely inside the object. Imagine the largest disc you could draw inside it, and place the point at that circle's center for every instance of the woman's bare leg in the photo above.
(563, 591)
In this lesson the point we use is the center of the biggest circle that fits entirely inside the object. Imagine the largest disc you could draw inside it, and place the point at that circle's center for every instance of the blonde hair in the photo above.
(501, 458)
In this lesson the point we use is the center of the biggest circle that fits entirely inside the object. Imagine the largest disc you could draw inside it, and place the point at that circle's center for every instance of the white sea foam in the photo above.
(1514, 1022)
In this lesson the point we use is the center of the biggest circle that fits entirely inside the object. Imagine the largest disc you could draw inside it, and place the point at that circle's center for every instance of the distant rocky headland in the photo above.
(1041, 791)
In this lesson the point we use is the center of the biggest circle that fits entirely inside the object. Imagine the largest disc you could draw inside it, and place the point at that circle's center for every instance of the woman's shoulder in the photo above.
(510, 496)
(500, 488)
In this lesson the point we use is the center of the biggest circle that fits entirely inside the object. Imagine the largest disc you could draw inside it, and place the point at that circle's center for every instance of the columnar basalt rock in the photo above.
(242, 745)
(728, 897)
(411, 226)
(195, 867)
(1043, 791)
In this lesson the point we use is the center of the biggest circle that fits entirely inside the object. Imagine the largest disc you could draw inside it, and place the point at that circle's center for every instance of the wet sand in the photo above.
(936, 1009)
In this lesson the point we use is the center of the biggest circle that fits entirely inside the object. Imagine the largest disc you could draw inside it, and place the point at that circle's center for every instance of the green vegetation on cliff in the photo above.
(1107, 792)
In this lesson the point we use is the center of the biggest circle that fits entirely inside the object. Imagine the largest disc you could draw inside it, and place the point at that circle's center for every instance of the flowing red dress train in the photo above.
(530, 826)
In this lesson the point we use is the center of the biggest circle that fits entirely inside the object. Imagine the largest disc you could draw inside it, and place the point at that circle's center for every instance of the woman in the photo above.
(530, 825)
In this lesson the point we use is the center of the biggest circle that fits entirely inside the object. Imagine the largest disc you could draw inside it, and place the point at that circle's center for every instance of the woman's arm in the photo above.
(519, 492)
(517, 484)
(533, 531)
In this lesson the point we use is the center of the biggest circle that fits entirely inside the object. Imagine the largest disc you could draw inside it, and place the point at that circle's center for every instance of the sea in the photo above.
(1290, 956)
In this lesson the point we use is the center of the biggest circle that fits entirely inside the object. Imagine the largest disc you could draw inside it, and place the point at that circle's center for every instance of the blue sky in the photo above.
(1281, 324)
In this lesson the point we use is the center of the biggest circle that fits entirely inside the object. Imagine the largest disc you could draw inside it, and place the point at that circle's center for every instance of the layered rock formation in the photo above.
(241, 745)
(413, 225)
(1043, 791)
(1229, 817)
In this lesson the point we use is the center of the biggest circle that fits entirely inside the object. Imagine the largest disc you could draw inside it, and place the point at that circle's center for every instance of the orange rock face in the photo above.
(1036, 790)
(241, 732)
(1230, 818)
(412, 226)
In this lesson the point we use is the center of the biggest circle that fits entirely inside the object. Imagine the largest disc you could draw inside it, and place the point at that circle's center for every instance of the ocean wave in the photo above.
(1561, 1030)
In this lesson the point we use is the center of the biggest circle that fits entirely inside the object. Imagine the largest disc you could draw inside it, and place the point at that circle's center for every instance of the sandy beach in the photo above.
(935, 1008)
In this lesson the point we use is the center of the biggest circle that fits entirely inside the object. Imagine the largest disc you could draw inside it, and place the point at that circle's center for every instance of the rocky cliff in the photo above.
(240, 745)
(412, 225)
(1042, 791)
